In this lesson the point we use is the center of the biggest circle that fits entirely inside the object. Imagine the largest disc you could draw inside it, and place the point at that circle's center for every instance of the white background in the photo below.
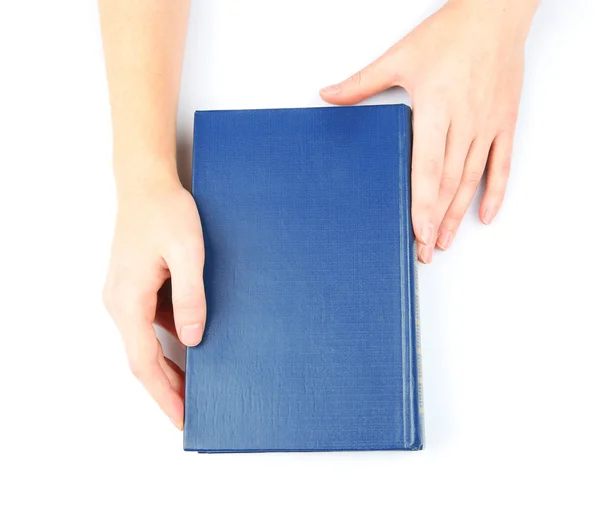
(510, 313)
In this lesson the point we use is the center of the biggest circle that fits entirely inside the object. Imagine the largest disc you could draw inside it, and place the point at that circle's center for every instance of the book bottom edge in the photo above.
(415, 447)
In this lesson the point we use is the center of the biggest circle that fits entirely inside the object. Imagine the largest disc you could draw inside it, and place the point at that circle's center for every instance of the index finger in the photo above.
(145, 353)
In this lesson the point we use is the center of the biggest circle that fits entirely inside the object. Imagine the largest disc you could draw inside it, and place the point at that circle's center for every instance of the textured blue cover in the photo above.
(311, 336)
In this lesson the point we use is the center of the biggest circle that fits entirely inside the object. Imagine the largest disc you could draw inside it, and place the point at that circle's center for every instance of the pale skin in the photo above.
(463, 70)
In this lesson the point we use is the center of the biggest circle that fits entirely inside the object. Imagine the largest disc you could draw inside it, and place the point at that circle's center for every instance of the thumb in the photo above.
(374, 78)
(189, 302)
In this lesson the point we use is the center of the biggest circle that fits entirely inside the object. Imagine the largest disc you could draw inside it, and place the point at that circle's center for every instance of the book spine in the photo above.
(411, 357)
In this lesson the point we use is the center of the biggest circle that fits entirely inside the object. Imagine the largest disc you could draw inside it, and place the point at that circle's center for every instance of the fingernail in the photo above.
(427, 234)
(191, 334)
(445, 239)
(488, 216)
(332, 89)
(177, 424)
(427, 254)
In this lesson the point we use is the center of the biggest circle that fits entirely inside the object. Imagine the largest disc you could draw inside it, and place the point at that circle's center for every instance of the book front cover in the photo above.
(310, 341)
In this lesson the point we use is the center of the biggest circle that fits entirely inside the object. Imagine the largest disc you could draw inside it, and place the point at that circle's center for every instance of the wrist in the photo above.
(135, 176)
(143, 150)
(516, 15)
(523, 6)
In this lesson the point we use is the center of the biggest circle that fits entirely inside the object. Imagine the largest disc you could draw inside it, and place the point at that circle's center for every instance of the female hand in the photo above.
(463, 69)
(158, 239)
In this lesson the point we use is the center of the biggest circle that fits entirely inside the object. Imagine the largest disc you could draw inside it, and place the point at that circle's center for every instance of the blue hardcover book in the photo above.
(311, 341)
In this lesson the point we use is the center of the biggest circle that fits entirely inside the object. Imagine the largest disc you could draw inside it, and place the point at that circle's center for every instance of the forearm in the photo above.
(143, 46)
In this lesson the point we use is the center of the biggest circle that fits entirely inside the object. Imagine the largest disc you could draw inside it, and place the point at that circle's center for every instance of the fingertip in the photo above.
(191, 335)
(427, 254)
(424, 253)
(424, 232)
(178, 423)
(330, 94)
(427, 234)
(444, 240)
(488, 214)
(331, 90)
(156, 381)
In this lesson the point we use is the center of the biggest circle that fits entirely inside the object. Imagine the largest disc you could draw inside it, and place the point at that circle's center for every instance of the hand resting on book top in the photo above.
(463, 69)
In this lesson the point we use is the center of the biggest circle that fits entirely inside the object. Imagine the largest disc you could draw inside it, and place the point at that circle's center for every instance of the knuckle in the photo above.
(189, 301)
(504, 164)
(121, 303)
(421, 212)
(139, 366)
(449, 186)
(107, 298)
(179, 249)
(453, 219)
(188, 248)
(470, 127)
(495, 192)
(112, 297)
(357, 78)
(138, 369)
(135, 367)
(471, 180)
(431, 167)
